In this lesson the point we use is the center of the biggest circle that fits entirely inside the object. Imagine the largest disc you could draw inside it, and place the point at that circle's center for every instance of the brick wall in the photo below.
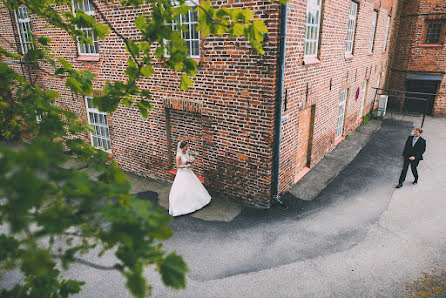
(232, 122)
(320, 84)
(234, 86)
(412, 55)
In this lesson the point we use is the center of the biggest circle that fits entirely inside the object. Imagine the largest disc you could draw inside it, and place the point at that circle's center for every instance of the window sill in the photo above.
(93, 58)
(348, 56)
(311, 61)
(433, 45)
(370, 53)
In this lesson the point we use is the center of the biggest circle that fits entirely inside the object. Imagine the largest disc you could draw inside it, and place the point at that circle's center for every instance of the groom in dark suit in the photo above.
(412, 154)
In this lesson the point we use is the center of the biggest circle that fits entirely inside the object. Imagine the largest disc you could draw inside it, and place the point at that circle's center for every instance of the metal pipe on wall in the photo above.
(279, 104)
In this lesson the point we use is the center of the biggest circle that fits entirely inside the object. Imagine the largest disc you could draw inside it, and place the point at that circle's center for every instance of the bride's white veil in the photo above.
(178, 147)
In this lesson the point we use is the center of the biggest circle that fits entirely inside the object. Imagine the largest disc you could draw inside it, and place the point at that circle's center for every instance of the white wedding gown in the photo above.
(187, 193)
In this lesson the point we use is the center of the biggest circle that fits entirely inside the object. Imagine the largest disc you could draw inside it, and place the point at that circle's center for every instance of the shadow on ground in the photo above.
(336, 220)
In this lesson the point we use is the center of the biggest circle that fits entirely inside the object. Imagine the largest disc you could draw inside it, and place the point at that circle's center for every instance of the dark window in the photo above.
(433, 33)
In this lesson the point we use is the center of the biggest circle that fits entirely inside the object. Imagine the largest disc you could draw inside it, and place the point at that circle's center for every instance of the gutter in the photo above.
(279, 104)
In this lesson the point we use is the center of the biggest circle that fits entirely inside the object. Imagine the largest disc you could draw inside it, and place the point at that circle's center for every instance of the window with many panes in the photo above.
(86, 48)
(24, 28)
(386, 34)
(373, 30)
(433, 35)
(341, 113)
(312, 27)
(101, 136)
(351, 27)
(189, 21)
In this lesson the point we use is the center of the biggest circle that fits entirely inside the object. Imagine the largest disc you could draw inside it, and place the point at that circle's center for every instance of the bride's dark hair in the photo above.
(183, 144)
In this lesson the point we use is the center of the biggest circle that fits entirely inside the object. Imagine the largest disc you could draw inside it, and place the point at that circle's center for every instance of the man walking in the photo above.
(412, 154)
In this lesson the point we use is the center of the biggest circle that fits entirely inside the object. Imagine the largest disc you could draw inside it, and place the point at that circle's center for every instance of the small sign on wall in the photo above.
(357, 94)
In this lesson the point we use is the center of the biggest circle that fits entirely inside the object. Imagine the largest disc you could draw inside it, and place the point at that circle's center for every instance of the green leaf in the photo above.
(140, 23)
(70, 287)
(101, 30)
(142, 110)
(43, 40)
(133, 48)
(173, 271)
(74, 85)
(147, 71)
(238, 29)
(186, 82)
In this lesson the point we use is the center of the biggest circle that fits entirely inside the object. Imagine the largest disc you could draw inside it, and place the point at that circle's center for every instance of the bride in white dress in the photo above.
(187, 193)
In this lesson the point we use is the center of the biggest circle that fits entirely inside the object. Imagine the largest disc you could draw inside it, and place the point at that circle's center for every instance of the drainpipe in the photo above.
(279, 104)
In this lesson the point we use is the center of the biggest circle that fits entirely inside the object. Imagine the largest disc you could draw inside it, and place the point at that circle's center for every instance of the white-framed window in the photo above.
(341, 114)
(373, 30)
(386, 34)
(191, 35)
(86, 48)
(24, 28)
(351, 27)
(312, 28)
(101, 137)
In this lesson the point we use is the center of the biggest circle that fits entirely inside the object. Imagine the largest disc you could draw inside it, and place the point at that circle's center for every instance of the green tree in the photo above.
(49, 214)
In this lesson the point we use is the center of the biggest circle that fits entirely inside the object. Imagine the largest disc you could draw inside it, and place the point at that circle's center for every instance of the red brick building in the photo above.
(335, 52)
(419, 63)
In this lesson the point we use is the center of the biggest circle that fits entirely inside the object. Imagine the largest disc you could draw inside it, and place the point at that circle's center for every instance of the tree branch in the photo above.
(126, 40)
(208, 15)
(116, 266)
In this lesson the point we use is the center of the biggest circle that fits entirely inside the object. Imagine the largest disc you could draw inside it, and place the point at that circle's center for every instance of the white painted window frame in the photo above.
(365, 85)
(24, 28)
(93, 49)
(312, 28)
(351, 28)
(341, 113)
(99, 122)
(386, 34)
(373, 30)
(191, 37)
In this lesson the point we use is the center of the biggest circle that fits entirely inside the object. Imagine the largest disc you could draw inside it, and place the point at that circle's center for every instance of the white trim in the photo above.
(312, 28)
(341, 114)
(373, 30)
(85, 49)
(192, 36)
(351, 28)
(99, 122)
(386, 34)
(23, 27)
(365, 85)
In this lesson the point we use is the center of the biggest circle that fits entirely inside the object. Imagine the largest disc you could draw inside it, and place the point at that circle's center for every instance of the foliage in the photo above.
(50, 214)
(365, 119)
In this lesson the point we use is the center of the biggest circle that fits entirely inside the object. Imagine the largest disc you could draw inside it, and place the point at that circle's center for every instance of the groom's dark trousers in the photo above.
(416, 151)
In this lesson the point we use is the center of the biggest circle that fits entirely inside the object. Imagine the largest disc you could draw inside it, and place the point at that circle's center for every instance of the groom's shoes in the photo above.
(399, 185)
(415, 182)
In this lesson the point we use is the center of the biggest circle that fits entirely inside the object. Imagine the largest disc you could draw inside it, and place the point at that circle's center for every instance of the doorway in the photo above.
(423, 86)
(305, 138)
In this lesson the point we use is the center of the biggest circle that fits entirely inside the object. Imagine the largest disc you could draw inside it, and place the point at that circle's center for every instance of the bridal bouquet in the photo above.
(190, 158)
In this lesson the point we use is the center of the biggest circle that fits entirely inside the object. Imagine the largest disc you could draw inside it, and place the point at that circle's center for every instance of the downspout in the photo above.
(279, 104)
